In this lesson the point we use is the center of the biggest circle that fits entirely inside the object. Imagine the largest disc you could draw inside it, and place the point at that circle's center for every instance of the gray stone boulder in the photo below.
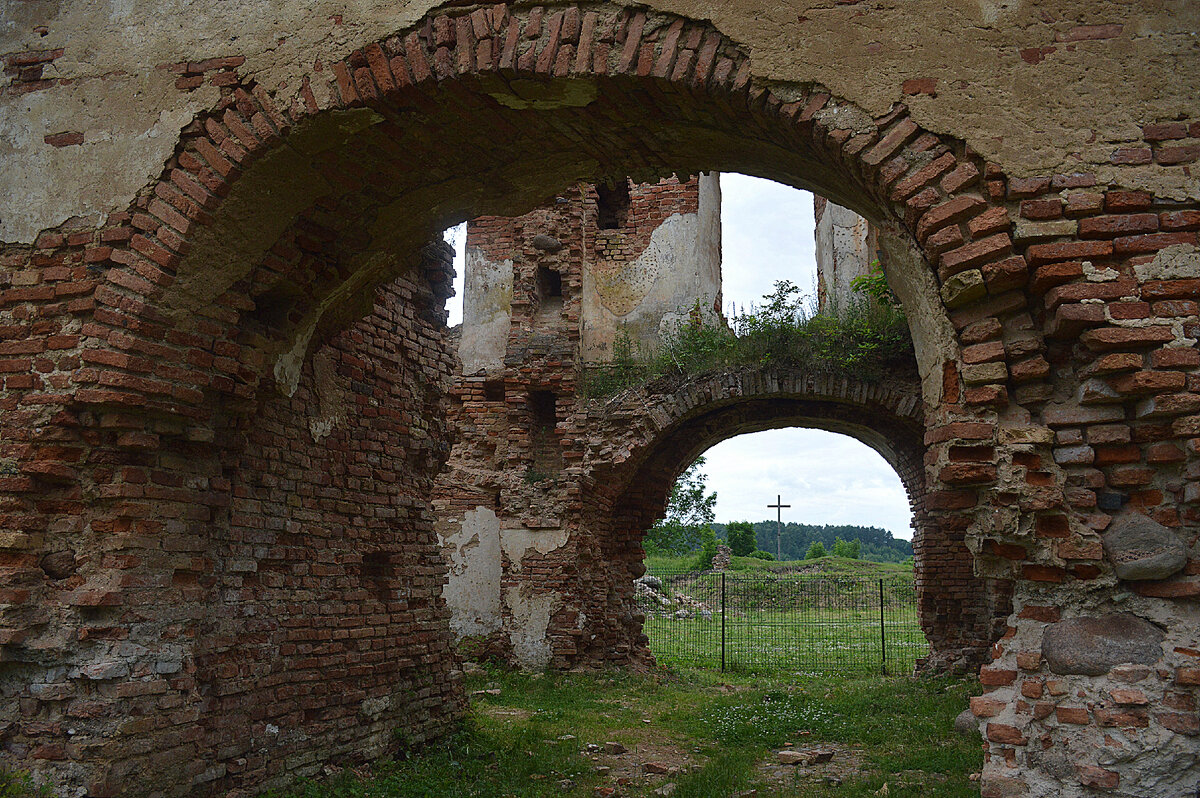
(1091, 646)
(1141, 548)
(652, 582)
(966, 724)
(546, 243)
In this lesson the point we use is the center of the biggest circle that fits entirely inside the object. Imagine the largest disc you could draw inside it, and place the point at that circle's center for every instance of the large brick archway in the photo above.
(222, 406)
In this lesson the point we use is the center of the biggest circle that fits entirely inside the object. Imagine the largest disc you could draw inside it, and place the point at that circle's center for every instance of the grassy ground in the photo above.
(768, 620)
(812, 642)
(715, 734)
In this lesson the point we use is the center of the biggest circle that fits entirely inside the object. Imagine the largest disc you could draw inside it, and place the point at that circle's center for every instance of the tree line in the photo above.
(875, 544)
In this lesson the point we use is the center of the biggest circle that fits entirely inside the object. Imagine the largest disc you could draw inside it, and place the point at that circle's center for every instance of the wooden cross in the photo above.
(778, 505)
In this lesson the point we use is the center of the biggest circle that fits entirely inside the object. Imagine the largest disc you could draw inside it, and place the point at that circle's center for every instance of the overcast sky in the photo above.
(767, 235)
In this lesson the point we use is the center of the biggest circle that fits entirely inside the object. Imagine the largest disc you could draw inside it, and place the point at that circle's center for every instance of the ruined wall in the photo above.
(542, 290)
(251, 591)
(204, 200)
(642, 278)
(846, 245)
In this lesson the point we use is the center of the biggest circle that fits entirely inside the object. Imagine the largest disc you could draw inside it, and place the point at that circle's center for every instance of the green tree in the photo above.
(849, 549)
(817, 549)
(740, 535)
(708, 549)
(690, 510)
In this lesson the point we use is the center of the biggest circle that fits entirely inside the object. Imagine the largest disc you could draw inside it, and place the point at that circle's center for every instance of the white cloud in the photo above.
(826, 478)
(767, 235)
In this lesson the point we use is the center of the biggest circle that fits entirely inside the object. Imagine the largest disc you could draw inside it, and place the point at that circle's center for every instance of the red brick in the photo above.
(1179, 722)
(1038, 613)
(996, 677)
(1165, 131)
(956, 210)
(1092, 776)
(1133, 245)
(974, 254)
(1005, 734)
(1043, 573)
(1126, 337)
(1042, 209)
(1112, 226)
(1076, 715)
(1019, 187)
(1126, 201)
(1038, 254)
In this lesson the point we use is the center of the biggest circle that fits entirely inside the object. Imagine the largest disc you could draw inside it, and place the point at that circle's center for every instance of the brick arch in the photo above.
(281, 210)
(651, 435)
(136, 412)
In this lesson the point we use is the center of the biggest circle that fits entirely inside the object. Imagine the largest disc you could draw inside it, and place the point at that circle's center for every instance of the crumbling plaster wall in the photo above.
(1022, 85)
(644, 280)
(509, 517)
(843, 249)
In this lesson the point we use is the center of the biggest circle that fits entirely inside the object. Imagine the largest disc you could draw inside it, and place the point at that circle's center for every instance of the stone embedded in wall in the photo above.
(1140, 548)
(546, 243)
(1092, 646)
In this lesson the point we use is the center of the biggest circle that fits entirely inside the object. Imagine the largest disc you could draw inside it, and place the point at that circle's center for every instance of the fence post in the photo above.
(882, 631)
(722, 622)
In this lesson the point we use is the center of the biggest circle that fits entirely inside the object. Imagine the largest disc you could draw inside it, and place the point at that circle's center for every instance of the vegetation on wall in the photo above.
(865, 336)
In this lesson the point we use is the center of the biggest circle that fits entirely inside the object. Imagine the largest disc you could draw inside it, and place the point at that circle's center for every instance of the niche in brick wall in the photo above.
(550, 294)
(378, 574)
(493, 391)
(612, 205)
(546, 456)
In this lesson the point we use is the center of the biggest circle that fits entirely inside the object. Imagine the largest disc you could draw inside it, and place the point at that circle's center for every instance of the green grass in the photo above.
(19, 784)
(723, 727)
(810, 642)
(829, 565)
(760, 619)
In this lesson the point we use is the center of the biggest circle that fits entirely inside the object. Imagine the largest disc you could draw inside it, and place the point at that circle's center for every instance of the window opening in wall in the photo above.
(493, 391)
(549, 287)
(457, 237)
(546, 453)
(612, 205)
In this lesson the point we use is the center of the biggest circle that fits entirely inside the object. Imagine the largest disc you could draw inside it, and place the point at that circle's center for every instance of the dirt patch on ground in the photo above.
(511, 713)
(833, 764)
(641, 763)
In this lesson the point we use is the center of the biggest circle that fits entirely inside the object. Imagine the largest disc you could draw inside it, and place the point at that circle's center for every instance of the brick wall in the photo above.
(131, 343)
(212, 601)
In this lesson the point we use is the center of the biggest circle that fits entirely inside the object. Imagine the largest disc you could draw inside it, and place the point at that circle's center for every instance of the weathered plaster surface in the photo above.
(531, 611)
(517, 542)
(653, 294)
(842, 251)
(487, 311)
(473, 589)
(1019, 86)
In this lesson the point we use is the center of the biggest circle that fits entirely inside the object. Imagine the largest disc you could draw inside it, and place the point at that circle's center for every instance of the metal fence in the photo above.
(761, 620)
